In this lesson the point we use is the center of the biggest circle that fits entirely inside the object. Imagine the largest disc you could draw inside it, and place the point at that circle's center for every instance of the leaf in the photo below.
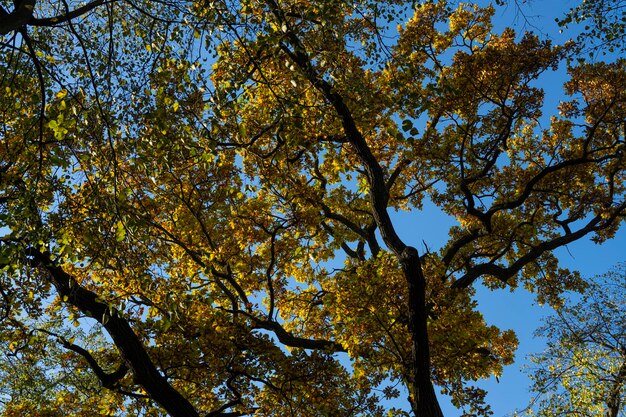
(120, 231)
(166, 325)
(407, 125)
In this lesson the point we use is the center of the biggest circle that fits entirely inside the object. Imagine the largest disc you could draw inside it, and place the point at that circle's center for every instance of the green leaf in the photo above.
(120, 231)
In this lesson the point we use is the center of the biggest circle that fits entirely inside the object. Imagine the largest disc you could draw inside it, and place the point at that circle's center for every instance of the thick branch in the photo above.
(19, 17)
(505, 273)
(108, 380)
(290, 340)
(23, 16)
(129, 345)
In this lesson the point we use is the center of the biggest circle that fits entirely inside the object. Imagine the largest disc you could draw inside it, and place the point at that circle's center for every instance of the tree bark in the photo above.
(423, 399)
(613, 403)
(424, 402)
(14, 20)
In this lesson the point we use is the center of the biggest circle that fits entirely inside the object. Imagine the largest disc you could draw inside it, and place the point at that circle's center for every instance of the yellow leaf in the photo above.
(120, 231)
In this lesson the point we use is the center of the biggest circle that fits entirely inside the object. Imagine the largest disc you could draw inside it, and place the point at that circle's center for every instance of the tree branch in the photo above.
(19, 17)
(505, 273)
(108, 380)
(131, 348)
(290, 340)
(378, 192)
(23, 16)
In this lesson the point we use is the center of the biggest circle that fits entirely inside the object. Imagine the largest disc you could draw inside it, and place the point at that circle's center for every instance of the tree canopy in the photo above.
(583, 370)
(197, 198)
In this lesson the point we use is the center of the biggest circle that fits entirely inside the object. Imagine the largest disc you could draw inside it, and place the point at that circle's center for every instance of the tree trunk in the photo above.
(423, 399)
(613, 403)
(424, 402)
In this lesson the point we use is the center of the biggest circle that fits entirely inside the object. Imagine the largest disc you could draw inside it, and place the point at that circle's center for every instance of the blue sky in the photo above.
(518, 310)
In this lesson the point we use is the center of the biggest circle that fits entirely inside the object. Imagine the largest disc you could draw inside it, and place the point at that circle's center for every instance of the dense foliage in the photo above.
(197, 198)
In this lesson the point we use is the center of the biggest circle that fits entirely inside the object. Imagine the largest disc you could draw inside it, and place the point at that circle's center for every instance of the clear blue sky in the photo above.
(515, 310)
(518, 310)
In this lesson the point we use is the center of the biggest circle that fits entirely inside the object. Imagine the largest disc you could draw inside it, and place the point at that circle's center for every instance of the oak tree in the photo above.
(197, 201)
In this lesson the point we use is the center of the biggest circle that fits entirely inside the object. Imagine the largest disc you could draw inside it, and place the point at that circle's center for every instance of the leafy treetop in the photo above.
(210, 185)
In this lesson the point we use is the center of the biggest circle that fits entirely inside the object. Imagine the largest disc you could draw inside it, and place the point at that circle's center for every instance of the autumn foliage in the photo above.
(197, 202)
